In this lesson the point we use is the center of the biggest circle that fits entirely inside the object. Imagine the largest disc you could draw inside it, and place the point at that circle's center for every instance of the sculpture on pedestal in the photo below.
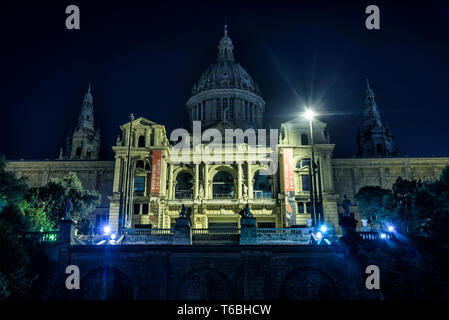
(246, 212)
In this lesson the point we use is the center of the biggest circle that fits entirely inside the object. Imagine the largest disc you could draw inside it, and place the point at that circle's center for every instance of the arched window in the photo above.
(261, 189)
(184, 186)
(218, 111)
(304, 139)
(141, 142)
(231, 108)
(78, 152)
(140, 164)
(204, 110)
(223, 185)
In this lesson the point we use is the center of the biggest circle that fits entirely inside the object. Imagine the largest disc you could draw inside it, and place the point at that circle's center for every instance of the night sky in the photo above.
(143, 57)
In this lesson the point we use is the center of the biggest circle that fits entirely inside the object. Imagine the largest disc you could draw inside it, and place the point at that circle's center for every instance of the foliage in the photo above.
(56, 193)
(398, 206)
(24, 209)
(12, 189)
(36, 212)
(85, 226)
(14, 258)
(415, 264)
(369, 201)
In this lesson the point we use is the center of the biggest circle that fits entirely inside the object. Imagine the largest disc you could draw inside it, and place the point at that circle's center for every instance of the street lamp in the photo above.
(310, 114)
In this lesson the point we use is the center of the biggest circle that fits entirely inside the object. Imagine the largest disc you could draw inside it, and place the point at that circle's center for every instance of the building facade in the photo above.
(146, 185)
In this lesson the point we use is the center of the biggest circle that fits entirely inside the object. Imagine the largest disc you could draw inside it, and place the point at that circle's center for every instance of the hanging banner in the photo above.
(156, 173)
(289, 187)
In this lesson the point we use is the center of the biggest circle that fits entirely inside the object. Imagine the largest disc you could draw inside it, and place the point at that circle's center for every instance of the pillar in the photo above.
(196, 182)
(117, 174)
(170, 181)
(206, 180)
(250, 180)
(164, 173)
(240, 178)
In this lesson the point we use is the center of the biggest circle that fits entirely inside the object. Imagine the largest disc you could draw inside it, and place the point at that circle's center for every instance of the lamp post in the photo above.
(126, 209)
(314, 197)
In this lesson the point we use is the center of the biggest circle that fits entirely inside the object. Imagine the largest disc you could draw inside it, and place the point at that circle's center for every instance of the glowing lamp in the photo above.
(113, 236)
(383, 236)
(319, 235)
(107, 230)
(391, 228)
(323, 228)
(309, 114)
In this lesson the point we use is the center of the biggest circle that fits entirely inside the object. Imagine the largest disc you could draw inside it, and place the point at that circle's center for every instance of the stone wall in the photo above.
(210, 273)
(350, 175)
(94, 175)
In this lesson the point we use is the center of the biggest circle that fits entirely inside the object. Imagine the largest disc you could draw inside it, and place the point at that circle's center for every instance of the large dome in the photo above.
(225, 73)
(226, 95)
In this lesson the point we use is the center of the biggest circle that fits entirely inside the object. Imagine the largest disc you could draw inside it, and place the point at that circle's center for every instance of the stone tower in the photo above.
(84, 141)
(374, 139)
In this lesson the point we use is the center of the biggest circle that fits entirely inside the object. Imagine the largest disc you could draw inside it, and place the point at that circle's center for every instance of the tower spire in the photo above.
(84, 141)
(225, 47)
(374, 139)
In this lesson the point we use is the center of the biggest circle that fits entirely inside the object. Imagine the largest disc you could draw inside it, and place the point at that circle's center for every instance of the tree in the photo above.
(398, 206)
(56, 193)
(12, 189)
(369, 201)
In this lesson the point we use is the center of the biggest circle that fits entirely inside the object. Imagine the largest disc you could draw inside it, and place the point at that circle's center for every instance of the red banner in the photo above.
(156, 173)
(289, 170)
(289, 187)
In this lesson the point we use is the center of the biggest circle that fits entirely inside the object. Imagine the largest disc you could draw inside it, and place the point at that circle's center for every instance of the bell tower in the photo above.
(84, 141)
(374, 139)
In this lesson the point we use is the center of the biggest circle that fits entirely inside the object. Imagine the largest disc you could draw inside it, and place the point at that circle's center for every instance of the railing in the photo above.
(183, 194)
(46, 237)
(219, 234)
(223, 195)
(282, 230)
(149, 232)
(262, 195)
(374, 235)
(296, 236)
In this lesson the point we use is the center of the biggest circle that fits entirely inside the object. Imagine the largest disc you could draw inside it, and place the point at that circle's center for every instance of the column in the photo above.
(239, 172)
(197, 178)
(206, 180)
(117, 174)
(170, 181)
(250, 180)
(164, 174)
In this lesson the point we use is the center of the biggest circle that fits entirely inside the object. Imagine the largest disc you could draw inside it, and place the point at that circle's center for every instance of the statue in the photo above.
(245, 192)
(201, 193)
(119, 141)
(68, 209)
(346, 205)
(186, 212)
(225, 114)
(183, 212)
(245, 212)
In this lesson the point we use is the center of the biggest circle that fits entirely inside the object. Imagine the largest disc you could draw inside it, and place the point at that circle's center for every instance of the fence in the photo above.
(213, 235)
(296, 236)
(45, 238)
